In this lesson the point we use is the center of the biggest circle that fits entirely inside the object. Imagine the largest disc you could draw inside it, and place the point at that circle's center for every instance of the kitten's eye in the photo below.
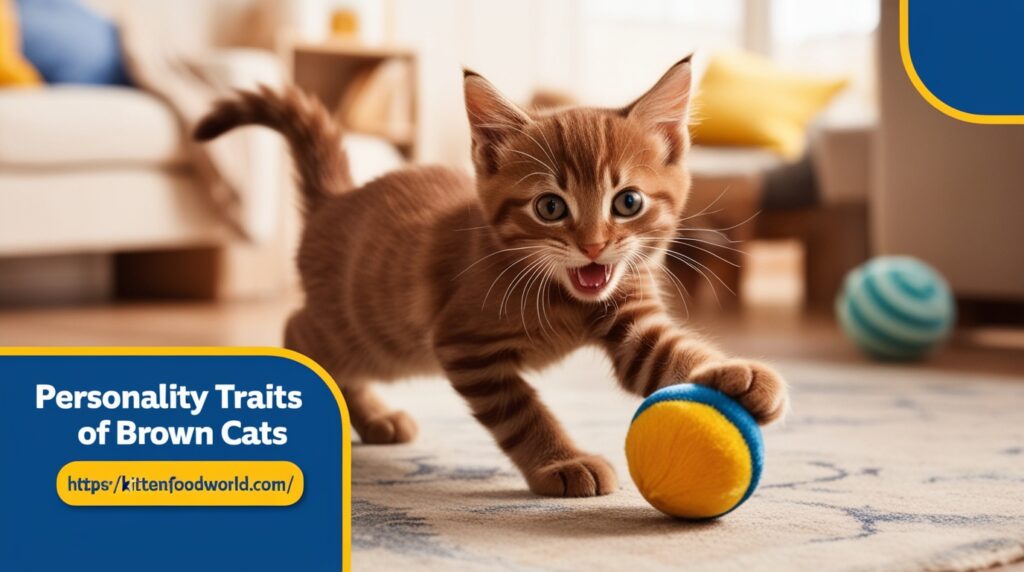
(551, 208)
(627, 203)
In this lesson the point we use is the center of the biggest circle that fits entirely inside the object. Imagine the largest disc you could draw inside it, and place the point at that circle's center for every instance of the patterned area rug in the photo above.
(877, 468)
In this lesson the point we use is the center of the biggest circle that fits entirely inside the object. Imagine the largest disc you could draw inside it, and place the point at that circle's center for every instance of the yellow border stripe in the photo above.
(927, 94)
(346, 428)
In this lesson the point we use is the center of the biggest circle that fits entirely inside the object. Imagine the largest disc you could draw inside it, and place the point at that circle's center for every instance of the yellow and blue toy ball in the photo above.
(693, 452)
(896, 308)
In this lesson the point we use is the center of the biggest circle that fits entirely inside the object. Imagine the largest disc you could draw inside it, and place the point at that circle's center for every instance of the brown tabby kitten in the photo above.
(556, 245)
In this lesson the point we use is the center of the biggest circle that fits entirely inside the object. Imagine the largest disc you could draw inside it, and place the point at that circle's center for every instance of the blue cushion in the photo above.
(69, 43)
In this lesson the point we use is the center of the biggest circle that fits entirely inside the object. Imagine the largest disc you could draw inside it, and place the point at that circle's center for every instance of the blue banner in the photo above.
(963, 57)
(171, 459)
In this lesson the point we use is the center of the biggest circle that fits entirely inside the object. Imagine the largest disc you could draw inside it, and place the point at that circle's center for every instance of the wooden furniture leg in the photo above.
(835, 240)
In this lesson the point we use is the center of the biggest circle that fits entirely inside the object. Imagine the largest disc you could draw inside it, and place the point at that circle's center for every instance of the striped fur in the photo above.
(426, 270)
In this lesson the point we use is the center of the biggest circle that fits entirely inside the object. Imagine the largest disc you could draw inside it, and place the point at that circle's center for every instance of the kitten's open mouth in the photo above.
(592, 278)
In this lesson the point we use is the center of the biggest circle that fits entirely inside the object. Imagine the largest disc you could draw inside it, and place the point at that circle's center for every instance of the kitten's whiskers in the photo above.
(550, 169)
(494, 254)
(700, 268)
(535, 277)
(725, 260)
(502, 273)
(515, 282)
(533, 174)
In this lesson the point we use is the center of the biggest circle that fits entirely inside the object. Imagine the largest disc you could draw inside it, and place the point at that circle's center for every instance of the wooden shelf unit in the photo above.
(328, 70)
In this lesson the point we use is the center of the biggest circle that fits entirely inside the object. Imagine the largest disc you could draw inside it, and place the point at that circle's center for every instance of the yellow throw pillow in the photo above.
(14, 69)
(748, 100)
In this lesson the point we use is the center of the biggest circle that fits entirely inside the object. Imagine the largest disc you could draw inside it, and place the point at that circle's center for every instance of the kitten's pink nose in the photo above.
(593, 249)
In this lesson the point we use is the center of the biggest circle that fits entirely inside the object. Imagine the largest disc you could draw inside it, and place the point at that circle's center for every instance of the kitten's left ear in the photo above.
(666, 106)
(492, 118)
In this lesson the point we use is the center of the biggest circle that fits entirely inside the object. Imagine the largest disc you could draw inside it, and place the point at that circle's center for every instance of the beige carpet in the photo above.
(877, 468)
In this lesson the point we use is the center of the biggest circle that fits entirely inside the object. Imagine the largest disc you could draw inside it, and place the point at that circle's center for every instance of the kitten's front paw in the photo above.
(756, 386)
(582, 476)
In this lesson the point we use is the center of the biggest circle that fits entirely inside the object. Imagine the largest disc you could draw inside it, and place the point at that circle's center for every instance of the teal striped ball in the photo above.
(896, 308)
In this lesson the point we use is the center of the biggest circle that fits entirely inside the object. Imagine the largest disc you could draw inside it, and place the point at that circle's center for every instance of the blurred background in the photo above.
(813, 153)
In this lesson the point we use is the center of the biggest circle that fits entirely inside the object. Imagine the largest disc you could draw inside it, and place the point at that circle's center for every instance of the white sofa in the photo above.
(104, 168)
(96, 186)
(97, 193)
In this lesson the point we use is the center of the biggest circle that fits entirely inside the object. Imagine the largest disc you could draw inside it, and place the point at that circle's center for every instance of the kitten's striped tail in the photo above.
(313, 136)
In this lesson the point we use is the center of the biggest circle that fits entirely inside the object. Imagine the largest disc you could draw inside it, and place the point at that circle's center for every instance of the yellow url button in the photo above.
(180, 483)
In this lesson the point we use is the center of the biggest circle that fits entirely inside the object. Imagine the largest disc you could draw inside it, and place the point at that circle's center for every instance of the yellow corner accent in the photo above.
(346, 426)
(180, 483)
(927, 94)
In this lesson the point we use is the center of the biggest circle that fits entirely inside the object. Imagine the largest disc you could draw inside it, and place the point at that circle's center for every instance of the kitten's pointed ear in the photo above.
(666, 106)
(669, 100)
(492, 118)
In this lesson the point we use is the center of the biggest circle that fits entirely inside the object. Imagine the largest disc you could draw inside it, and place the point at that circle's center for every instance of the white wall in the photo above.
(511, 43)
(605, 52)
(520, 47)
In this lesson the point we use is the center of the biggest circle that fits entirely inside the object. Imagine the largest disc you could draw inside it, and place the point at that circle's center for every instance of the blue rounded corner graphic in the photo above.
(973, 78)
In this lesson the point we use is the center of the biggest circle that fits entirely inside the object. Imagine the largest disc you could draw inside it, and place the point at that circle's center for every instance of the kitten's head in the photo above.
(586, 194)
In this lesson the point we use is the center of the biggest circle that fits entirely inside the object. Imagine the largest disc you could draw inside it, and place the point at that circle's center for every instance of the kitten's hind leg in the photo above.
(376, 423)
